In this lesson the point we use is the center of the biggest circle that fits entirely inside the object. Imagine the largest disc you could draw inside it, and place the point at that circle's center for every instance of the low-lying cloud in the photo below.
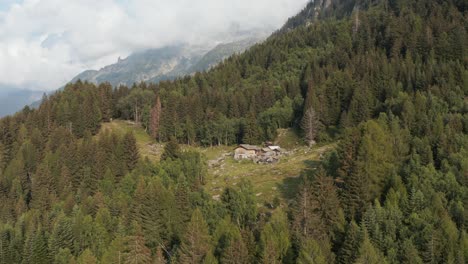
(44, 43)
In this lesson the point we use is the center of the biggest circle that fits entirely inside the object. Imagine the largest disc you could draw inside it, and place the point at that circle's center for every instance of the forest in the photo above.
(387, 80)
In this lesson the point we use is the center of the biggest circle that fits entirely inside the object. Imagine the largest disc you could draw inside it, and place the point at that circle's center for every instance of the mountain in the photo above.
(322, 9)
(12, 99)
(221, 52)
(165, 63)
(96, 175)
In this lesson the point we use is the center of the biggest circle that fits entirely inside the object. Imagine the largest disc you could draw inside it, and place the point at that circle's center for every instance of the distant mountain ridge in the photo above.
(165, 63)
(13, 99)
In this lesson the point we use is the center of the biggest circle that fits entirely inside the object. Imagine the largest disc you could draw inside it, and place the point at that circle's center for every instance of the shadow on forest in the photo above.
(289, 186)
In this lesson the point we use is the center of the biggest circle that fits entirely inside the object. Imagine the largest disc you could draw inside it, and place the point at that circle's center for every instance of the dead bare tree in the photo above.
(310, 125)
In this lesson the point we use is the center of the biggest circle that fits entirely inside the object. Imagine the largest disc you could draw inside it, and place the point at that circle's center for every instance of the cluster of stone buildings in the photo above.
(268, 154)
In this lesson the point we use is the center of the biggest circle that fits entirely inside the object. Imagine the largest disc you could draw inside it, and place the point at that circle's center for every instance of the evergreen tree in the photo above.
(274, 240)
(349, 251)
(171, 150)
(368, 254)
(130, 151)
(87, 257)
(210, 259)
(62, 236)
(115, 252)
(236, 252)
(135, 251)
(251, 131)
(155, 118)
(64, 256)
(39, 251)
(196, 242)
(310, 253)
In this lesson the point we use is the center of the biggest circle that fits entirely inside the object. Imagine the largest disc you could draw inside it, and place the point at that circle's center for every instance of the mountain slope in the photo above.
(221, 52)
(390, 89)
(164, 63)
(317, 9)
(13, 99)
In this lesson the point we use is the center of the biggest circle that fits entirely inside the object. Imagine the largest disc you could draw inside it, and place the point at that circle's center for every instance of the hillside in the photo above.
(269, 181)
(380, 91)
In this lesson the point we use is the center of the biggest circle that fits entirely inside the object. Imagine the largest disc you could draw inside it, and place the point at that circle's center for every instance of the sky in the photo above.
(45, 43)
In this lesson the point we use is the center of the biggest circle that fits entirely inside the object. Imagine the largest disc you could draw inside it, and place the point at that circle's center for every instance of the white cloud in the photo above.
(44, 43)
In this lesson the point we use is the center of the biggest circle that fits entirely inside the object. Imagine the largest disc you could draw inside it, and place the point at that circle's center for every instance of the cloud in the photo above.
(44, 43)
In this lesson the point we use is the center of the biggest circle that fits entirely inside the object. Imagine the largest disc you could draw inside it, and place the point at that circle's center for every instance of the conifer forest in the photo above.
(385, 82)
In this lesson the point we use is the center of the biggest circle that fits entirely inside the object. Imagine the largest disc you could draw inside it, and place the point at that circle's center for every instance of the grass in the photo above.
(269, 180)
(148, 147)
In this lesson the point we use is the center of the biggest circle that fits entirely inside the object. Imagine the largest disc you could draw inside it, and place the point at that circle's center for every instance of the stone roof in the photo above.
(249, 147)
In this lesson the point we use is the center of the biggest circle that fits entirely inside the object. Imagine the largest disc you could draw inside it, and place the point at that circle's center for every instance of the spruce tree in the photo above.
(62, 236)
(349, 251)
(275, 240)
(310, 253)
(210, 259)
(196, 242)
(171, 150)
(130, 151)
(368, 254)
(135, 251)
(39, 249)
(155, 118)
(87, 257)
(236, 252)
(64, 256)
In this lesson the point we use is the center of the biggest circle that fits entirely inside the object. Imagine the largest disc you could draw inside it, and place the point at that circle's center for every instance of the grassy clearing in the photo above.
(269, 180)
(148, 147)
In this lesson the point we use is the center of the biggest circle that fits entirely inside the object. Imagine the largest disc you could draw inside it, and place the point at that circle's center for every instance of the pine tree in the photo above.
(155, 118)
(64, 256)
(6, 241)
(349, 251)
(43, 189)
(274, 239)
(87, 257)
(305, 221)
(210, 258)
(171, 150)
(236, 252)
(39, 251)
(115, 252)
(65, 183)
(62, 236)
(368, 254)
(182, 199)
(196, 243)
(135, 251)
(325, 195)
(105, 101)
(130, 151)
(310, 253)
(251, 130)
(410, 253)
